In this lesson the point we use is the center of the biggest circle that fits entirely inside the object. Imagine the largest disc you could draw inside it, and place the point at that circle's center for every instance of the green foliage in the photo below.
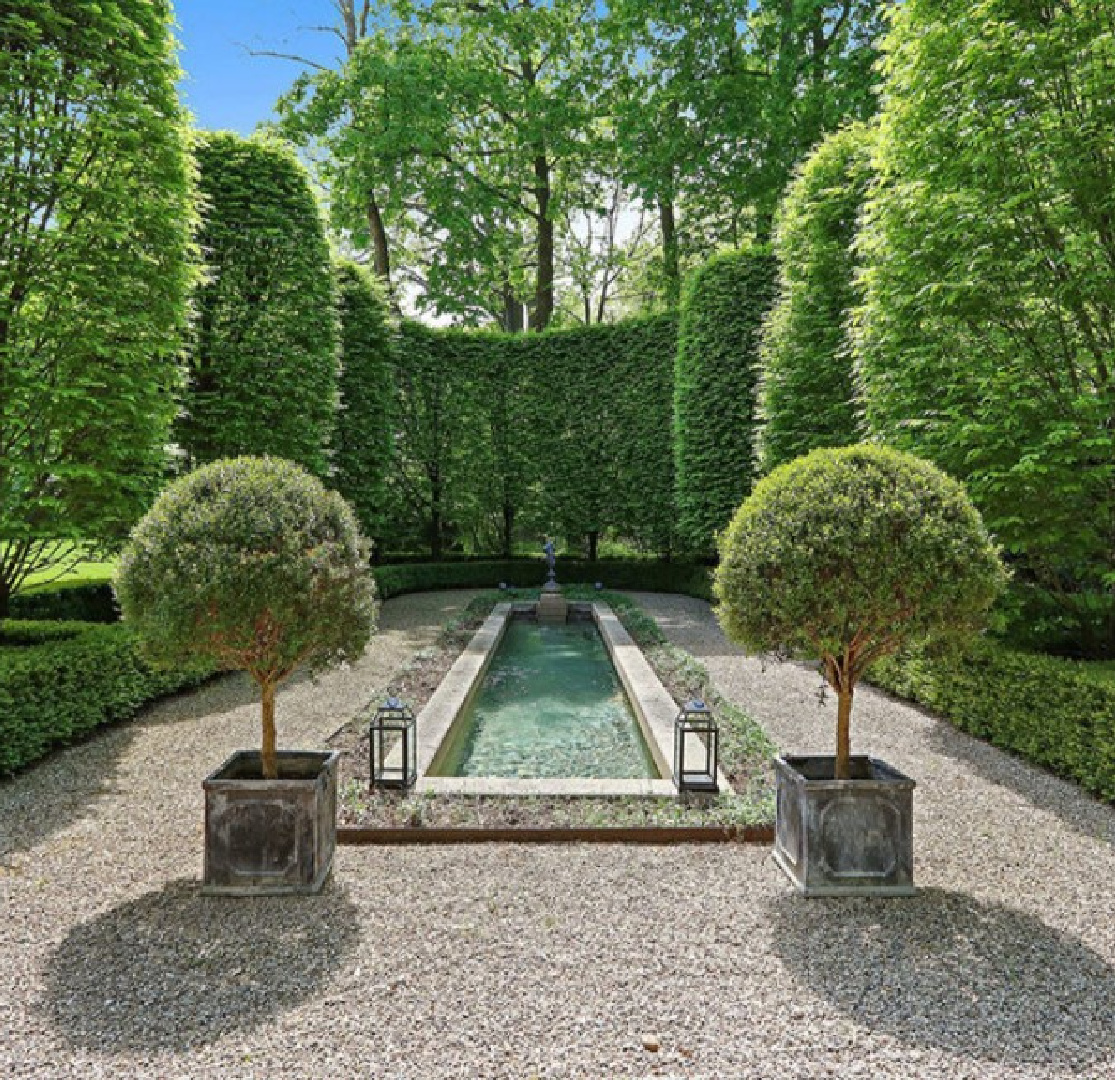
(264, 364)
(61, 690)
(74, 599)
(365, 436)
(251, 564)
(642, 574)
(714, 390)
(440, 428)
(566, 432)
(988, 333)
(846, 554)
(713, 105)
(95, 271)
(1051, 711)
(806, 393)
(15, 632)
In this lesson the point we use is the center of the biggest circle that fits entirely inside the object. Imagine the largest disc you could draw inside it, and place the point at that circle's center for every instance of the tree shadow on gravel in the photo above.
(945, 970)
(59, 789)
(174, 969)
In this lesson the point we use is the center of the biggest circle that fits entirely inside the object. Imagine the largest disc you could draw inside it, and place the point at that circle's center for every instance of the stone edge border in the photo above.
(618, 834)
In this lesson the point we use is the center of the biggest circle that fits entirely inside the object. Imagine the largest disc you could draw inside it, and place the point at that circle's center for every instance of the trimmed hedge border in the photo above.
(58, 691)
(1045, 709)
(691, 579)
(80, 600)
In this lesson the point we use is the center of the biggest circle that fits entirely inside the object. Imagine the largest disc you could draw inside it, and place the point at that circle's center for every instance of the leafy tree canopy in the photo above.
(95, 270)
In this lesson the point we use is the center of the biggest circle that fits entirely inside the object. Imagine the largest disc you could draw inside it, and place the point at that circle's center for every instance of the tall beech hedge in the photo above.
(806, 388)
(566, 432)
(263, 376)
(365, 443)
(722, 310)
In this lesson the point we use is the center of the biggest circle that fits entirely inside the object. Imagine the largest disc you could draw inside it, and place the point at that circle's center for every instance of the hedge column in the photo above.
(264, 376)
(714, 390)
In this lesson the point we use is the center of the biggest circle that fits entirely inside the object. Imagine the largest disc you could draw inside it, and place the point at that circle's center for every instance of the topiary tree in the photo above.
(845, 555)
(254, 565)
(714, 390)
(365, 441)
(806, 391)
(265, 351)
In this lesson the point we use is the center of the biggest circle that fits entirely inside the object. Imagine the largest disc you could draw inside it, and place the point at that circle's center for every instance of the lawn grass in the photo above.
(88, 572)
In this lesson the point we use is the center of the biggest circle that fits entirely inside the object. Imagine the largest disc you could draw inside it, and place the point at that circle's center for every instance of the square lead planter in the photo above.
(270, 837)
(844, 837)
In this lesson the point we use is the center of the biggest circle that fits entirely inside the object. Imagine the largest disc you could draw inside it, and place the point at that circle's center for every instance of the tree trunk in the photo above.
(671, 266)
(269, 756)
(508, 529)
(544, 281)
(381, 258)
(512, 310)
(435, 515)
(5, 598)
(593, 537)
(843, 768)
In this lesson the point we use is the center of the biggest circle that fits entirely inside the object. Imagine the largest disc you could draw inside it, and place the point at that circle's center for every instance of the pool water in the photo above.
(551, 705)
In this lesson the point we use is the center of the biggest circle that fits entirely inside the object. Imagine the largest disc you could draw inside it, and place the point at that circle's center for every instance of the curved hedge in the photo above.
(714, 390)
(566, 432)
(264, 357)
(57, 691)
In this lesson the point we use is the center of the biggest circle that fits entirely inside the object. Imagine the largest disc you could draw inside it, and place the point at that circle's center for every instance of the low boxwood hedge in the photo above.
(86, 600)
(16, 632)
(56, 691)
(642, 574)
(1046, 709)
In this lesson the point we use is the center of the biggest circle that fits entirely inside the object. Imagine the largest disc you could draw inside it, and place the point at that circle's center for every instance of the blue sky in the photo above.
(225, 86)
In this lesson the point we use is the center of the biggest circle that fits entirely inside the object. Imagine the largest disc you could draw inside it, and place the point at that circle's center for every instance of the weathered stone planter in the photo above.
(844, 837)
(270, 837)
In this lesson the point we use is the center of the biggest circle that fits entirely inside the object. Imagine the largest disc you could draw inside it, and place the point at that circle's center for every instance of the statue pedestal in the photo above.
(552, 606)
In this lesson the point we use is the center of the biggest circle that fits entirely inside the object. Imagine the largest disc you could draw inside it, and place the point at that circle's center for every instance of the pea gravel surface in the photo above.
(573, 961)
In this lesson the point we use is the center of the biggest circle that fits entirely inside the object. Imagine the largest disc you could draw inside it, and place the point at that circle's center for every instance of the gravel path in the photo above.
(513, 961)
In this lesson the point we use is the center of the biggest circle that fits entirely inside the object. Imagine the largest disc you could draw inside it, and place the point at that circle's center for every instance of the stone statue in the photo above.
(551, 561)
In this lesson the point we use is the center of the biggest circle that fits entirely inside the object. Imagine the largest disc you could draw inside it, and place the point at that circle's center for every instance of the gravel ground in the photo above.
(513, 961)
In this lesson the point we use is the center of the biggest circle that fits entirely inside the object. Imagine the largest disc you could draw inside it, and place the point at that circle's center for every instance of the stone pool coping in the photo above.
(651, 702)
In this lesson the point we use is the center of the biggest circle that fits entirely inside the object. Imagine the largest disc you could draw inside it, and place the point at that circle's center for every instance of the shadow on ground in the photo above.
(946, 970)
(174, 969)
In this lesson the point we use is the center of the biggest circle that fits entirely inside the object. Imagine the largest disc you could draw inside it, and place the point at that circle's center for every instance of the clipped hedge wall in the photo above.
(640, 574)
(722, 311)
(75, 600)
(1043, 708)
(365, 443)
(566, 432)
(58, 691)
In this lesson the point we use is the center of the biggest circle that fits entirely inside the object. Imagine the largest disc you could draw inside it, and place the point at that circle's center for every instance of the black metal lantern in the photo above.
(696, 748)
(393, 746)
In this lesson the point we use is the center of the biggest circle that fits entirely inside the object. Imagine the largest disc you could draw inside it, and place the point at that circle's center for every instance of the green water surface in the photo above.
(551, 705)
